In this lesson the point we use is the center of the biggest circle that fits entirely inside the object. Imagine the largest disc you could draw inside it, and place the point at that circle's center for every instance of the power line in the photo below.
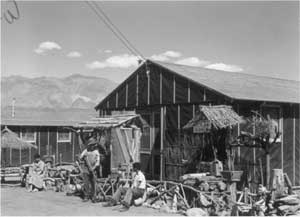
(107, 24)
(117, 29)
(105, 19)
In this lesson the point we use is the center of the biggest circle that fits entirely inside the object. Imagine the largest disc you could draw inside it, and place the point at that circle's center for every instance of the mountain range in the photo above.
(75, 91)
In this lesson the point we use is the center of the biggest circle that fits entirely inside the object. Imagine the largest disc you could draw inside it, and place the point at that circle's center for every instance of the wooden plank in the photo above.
(178, 117)
(282, 134)
(137, 90)
(194, 110)
(294, 146)
(160, 86)
(122, 142)
(126, 97)
(73, 146)
(117, 99)
(148, 87)
(189, 92)
(239, 132)
(162, 127)
(174, 90)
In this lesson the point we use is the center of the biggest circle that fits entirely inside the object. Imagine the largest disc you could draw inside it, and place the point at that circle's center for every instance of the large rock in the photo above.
(196, 212)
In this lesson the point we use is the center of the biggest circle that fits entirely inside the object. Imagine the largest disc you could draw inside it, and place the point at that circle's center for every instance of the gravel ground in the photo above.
(17, 201)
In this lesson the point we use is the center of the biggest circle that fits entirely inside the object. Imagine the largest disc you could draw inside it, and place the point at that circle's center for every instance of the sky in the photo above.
(60, 38)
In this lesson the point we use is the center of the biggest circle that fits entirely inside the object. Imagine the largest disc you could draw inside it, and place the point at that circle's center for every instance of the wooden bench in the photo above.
(10, 172)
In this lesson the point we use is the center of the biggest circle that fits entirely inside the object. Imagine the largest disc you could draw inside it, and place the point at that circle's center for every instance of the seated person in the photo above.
(135, 191)
(36, 175)
(49, 171)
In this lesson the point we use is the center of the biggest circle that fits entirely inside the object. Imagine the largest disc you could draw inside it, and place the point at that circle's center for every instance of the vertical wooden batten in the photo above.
(20, 151)
(73, 146)
(238, 133)
(39, 147)
(174, 90)
(126, 97)
(194, 110)
(294, 145)
(117, 99)
(162, 129)
(137, 89)
(10, 156)
(178, 117)
(48, 142)
(282, 134)
(189, 92)
(160, 86)
(254, 152)
(148, 86)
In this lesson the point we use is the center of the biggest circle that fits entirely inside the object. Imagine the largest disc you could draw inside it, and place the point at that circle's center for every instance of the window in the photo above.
(28, 134)
(63, 135)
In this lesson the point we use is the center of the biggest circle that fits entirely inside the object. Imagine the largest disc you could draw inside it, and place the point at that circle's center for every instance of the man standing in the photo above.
(134, 192)
(91, 158)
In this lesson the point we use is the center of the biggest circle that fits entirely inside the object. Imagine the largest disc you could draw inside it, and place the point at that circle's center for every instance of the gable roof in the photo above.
(45, 116)
(239, 85)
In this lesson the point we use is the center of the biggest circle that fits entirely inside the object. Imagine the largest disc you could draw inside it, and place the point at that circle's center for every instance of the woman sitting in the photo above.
(36, 175)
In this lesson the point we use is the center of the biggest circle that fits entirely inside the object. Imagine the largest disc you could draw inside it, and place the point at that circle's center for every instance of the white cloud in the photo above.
(166, 55)
(46, 46)
(159, 57)
(225, 67)
(192, 61)
(84, 98)
(119, 61)
(173, 54)
(107, 51)
(74, 54)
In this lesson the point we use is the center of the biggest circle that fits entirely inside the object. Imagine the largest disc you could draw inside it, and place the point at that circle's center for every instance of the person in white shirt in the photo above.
(91, 156)
(136, 190)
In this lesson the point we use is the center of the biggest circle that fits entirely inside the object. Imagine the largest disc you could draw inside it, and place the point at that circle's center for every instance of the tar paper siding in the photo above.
(180, 96)
(46, 141)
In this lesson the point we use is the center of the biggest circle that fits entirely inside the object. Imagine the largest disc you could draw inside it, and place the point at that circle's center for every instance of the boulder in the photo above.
(196, 212)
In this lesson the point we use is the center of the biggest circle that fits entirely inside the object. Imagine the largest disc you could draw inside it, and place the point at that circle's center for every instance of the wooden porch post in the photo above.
(162, 129)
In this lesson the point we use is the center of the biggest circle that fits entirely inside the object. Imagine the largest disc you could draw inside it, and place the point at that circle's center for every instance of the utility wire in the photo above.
(105, 19)
(108, 25)
(117, 29)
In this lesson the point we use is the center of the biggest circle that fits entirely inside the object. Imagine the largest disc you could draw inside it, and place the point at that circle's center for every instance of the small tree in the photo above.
(265, 135)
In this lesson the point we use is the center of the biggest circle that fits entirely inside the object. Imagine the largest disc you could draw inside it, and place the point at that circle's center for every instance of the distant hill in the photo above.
(75, 91)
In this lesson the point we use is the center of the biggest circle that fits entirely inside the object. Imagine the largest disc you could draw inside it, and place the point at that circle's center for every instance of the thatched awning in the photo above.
(220, 117)
(9, 139)
(111, 121)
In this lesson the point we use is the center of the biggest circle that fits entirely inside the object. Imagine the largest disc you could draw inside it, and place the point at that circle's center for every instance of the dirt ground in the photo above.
(17, 201)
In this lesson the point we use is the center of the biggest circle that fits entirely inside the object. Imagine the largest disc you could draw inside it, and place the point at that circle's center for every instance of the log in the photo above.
(289, 200)
(161, 194)
(289, 209)
(184, 200)
(288, 183)
(277, 182)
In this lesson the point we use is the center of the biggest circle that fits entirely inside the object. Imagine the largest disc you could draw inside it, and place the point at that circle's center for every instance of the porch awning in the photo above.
(112, 121)
(220, 116)
(9, 139)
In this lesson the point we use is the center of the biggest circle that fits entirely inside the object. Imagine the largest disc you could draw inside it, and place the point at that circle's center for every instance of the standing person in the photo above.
(36, 175)
(134, 192)
(91, 158)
